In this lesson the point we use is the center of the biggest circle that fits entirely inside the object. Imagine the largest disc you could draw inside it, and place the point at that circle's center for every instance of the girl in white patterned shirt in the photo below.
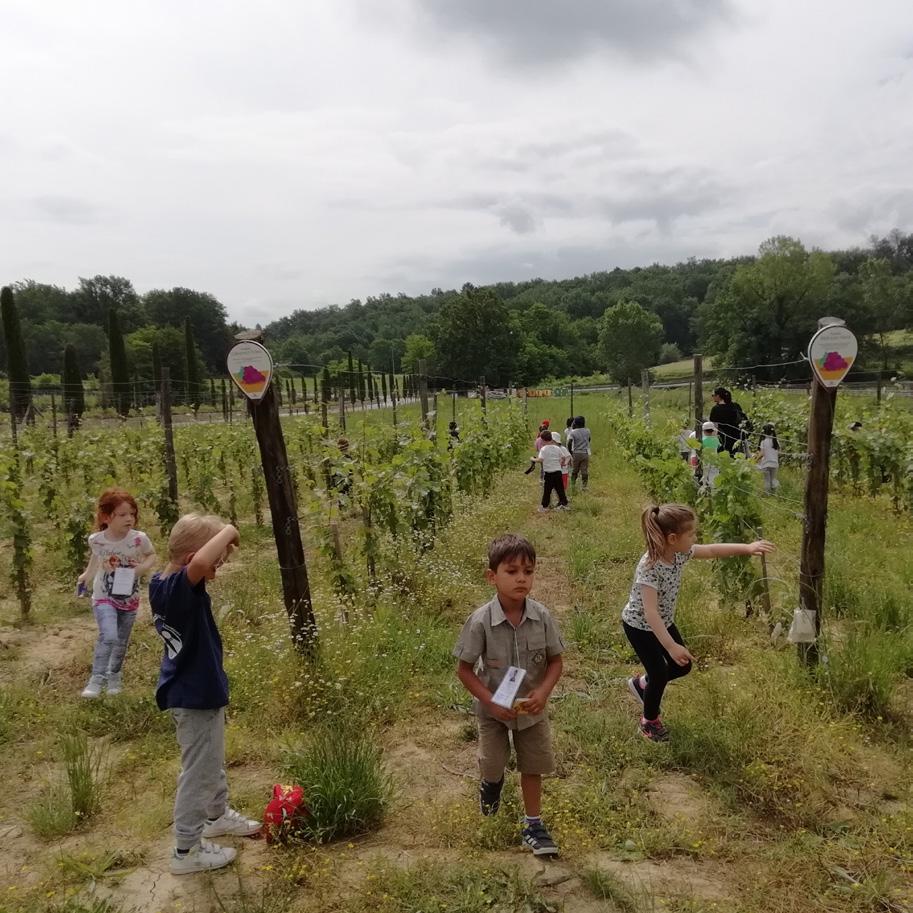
(649, 616)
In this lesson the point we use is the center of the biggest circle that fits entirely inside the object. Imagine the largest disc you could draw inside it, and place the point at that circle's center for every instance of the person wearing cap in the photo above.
(710, 443)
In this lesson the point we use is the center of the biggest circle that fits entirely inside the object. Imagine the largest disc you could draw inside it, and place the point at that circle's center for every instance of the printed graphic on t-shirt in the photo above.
(116, 581)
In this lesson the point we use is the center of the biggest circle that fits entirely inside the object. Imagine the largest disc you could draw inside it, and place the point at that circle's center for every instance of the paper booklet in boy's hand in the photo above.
(506, 693)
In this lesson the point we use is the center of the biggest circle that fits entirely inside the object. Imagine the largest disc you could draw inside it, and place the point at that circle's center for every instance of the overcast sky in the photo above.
(284, 154)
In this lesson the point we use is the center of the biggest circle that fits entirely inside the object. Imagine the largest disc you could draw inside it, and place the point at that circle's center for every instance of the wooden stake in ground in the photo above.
(698, 394)
(645, 389)
(831, 353)
(423, 392)
(250, 366)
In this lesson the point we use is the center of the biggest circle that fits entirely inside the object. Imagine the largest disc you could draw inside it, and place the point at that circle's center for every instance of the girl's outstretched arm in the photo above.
(732, 549)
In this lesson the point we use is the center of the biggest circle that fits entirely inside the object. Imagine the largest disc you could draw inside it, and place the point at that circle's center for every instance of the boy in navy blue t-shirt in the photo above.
(193, 687)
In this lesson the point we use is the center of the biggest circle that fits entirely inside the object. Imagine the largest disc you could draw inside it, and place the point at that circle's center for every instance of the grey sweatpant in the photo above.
(114, 629)
(202, 787)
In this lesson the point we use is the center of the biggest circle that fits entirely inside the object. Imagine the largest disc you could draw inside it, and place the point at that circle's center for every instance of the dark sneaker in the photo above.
(635, 688)
(539, 840)
(654, 730)
(490, 796)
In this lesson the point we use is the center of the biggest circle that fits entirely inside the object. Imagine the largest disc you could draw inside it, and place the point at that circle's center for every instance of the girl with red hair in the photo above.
(121, 554)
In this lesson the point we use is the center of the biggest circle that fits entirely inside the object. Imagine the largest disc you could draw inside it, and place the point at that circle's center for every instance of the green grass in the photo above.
(347, 788)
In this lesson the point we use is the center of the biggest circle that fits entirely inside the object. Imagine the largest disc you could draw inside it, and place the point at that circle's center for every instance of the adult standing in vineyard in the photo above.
(730, 420)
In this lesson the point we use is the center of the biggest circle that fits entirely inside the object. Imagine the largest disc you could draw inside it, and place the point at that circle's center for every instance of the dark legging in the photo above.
(660, 667)
(553, 483)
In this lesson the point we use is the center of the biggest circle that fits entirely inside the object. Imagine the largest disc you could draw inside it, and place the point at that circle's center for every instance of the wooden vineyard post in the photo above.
(483, 393)
(251, 362)
(831, 352)
(393, 397)
(645, 389)
(698, 394)
(630, 400)
(54, 414)
(423, 392)
(171, 467)
(224, 402)
(342, 408)
(453, 404)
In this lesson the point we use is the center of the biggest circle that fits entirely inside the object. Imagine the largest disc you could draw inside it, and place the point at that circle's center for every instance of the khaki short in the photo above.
(533, 747)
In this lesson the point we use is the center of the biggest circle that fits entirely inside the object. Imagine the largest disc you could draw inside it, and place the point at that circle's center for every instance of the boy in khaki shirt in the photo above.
(513, 630)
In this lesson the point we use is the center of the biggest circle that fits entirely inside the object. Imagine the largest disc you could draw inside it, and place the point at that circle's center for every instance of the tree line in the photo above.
(752, 310)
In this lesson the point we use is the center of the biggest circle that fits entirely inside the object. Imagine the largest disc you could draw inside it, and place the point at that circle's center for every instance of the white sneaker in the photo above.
(115, 683)
(201, 858)
(93, 688)
(231, 823)
(543, 510)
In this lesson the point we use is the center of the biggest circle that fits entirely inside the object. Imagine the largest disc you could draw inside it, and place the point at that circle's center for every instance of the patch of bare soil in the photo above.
(676, 796)
(678, 877)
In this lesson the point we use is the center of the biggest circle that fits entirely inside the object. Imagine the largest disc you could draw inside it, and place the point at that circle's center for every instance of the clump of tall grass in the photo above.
(347, 788)
(762, 737)
(65, 805)
(863, 669)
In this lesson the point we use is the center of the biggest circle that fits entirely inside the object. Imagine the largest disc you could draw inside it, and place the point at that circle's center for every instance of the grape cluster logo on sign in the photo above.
(250, 366)
(832, 351)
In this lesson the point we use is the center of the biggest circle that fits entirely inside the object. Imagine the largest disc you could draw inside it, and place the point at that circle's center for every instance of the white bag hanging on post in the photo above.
(802, 630)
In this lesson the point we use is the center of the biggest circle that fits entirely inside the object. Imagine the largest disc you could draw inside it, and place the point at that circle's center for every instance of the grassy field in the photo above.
(776, 793)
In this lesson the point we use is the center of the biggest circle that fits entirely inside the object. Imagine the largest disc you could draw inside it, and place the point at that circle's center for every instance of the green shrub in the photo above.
(347, 788)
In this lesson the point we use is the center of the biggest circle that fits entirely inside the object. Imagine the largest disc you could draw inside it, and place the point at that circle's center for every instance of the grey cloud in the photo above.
(873, 210)
(535, 32)
(70, 210)
(517, 218)
(487, 265)
(656, 196)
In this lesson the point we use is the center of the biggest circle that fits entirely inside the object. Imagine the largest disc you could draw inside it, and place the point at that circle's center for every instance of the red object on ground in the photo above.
(286, 809)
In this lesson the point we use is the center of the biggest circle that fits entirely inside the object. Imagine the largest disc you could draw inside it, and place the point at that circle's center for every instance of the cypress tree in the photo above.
(74, 397)
(361, 382)
(316, 394)
(193, 367)
(120, 375)
(351, 379)
(17, 365)
(383, 386)
(371, 396)
(212, 393)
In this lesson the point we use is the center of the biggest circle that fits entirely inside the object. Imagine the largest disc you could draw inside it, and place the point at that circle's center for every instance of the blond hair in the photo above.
(661, 521)
(190, 534)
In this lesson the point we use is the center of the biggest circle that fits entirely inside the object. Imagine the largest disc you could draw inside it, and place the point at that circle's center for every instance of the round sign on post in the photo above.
(250, 366)
(832, 351)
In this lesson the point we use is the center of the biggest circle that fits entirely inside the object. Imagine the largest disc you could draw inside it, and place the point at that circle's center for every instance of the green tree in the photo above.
(120, 372)
(770, 308)
(156, 366)
(418, 347)
(42, 302)
(17, 365)
(883, 299)
(74, 397)
(629, 338)
(192, 367)
(474, 336)
(93, 300)
(207, 317)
